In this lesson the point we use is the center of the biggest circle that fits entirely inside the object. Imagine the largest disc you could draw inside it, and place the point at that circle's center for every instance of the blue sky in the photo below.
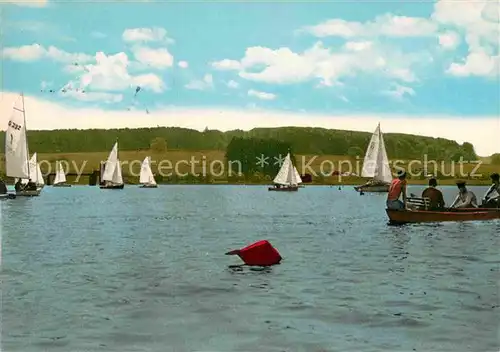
(418, 60)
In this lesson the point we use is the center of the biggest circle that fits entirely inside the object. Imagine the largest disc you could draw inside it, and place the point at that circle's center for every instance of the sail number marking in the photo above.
(15, 125)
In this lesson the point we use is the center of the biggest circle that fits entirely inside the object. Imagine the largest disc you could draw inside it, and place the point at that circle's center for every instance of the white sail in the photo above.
(34, 171)
(117, 175)
(297, 175)
(288, 174)
(16, 147)
(146, 176)
(383, 171)
(112, 170)
(376, 163)
(60, 175)
(39, 176)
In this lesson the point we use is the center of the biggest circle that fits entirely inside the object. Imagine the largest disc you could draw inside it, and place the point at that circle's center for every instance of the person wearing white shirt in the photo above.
(492, 197)
(465, 198)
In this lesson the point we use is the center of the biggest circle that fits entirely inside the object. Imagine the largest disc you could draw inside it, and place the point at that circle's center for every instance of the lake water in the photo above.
(85, 269)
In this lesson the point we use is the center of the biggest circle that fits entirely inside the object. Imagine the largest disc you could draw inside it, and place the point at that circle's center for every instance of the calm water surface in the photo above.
(85, 269)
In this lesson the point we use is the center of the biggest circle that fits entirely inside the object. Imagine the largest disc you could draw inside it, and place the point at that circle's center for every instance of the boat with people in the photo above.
(36, 172)
(17, 164)
(288, 178)
(111, 171)
(405, 216)
(146, 178)
(60, 178)
(376, 165)
(419, 210)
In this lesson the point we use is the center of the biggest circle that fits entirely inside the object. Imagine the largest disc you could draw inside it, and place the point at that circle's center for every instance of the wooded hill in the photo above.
(303, 140)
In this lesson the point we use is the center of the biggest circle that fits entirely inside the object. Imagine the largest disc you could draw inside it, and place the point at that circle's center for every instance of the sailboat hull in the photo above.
(284, 189)
(112, 186)
(29, 193)
(61, 185)
(373, 188)
(148, 186)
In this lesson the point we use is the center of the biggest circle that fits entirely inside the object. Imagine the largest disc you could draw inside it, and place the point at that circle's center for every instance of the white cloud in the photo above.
(403, 74)
(283, 66)
(183, 64)
(449, 40)
(477, 21)
(476, 64)
(93, 96)
(261, 95)
(155, 34)
(335, 27)
(386, 25)
(110, 73)
(156, 58)
(233, 84)
(28, 3)
(34, 52)
(204, 84)
(358, 46)
(43, 114)
(399, 91)
(226, 65)
(31, 52)
(343, 98)
(98, 35)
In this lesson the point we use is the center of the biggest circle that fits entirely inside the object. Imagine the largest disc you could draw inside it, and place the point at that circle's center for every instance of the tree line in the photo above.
(303, 140)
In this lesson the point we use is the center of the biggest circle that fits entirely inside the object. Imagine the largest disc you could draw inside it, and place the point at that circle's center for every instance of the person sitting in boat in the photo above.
(18, 186)
(3, 187)
(465, 198)
(435, 195)
(30, 186)
(396, 189)
(492, 197)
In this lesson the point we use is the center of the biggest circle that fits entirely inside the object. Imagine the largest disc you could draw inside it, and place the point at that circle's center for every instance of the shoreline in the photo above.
(267, 184)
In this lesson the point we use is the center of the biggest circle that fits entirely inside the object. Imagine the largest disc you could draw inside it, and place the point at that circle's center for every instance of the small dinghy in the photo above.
(17, 164)
(417, 212)
(376, 165)
(60, 179)
(288, 178)
(146, 178)
(112, 171)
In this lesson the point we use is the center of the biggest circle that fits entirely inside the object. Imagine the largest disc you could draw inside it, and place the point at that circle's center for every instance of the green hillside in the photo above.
(303, 140)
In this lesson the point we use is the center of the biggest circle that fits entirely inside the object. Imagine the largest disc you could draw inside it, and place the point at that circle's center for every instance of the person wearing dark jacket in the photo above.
(3, 187)
(435, 195)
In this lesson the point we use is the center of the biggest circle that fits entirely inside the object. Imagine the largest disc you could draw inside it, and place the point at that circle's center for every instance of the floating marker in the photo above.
(260, 253)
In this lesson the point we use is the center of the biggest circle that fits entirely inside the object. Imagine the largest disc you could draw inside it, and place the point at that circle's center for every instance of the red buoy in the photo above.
(260, 253)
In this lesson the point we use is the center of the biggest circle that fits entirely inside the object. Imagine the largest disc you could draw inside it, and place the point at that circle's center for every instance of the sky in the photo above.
(427, 68)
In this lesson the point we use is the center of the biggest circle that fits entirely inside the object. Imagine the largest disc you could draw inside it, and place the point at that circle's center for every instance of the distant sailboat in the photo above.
(112, 173)
(60, 179)
(147, 179)
(376, 165)
(16, 149)
(288, 178)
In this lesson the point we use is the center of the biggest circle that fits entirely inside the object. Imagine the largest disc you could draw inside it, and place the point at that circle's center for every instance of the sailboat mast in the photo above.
(26, 135)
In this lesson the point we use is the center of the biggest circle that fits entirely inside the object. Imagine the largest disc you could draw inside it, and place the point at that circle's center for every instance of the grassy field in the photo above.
(212, 162)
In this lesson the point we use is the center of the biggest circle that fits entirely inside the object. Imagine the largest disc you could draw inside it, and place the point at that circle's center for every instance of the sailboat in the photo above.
(111, 172)
(147, 179)
(376, 165)
(288, 178)
(16, 149)
(60, 179)
(35, 172)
